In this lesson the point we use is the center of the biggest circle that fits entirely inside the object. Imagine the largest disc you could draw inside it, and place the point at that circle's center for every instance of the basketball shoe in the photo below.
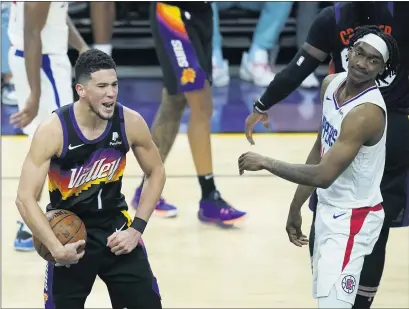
(24, 239)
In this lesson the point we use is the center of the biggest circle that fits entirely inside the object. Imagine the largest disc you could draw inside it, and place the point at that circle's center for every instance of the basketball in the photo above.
(68, 228)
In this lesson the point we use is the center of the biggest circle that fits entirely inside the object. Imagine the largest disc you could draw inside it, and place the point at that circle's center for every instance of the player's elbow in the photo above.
(323, 178)
(324, 181)
(20, 203)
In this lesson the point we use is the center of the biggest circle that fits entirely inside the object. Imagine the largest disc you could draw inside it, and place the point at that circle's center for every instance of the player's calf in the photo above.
(365, 297)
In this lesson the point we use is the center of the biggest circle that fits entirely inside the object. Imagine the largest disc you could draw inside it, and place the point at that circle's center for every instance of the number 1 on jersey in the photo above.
(99, 199)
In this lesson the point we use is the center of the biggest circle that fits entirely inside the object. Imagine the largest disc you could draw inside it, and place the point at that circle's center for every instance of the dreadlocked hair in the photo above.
(393, 61)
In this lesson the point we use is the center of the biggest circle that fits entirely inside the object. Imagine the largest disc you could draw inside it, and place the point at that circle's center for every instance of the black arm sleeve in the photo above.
(321, 35)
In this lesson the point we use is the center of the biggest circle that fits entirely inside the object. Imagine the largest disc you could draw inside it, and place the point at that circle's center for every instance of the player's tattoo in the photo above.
(166, 124)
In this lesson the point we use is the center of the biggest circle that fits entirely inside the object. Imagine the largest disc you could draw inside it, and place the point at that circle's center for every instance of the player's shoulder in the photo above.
(367, 118)
(136, 127)
(327, 15)
(49, 134)
(328, 80)
(131, 116)
(50, 127)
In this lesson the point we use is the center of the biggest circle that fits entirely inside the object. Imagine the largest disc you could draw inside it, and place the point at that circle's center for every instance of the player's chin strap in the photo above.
(377, 43)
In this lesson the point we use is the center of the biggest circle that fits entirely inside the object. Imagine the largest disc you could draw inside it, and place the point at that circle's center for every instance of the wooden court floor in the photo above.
(197, 265)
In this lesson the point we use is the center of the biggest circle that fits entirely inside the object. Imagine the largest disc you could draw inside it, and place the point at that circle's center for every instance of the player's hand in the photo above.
(293, 228)
(68, 254)
(251, 161)
(123, 242)
(252, 120)
(24, 117)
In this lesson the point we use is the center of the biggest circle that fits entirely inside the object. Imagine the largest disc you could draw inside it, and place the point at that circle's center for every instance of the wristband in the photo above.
(260, 107)
(139, 224)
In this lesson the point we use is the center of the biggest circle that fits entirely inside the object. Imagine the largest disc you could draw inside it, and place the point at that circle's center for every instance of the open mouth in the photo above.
(108, 105)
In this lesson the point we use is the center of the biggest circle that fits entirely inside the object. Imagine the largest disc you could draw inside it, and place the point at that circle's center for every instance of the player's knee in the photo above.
(200, 103)
(177, 103)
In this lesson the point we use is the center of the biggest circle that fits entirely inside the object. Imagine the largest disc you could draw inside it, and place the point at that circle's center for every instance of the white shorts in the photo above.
(343, 237)
(56, 81)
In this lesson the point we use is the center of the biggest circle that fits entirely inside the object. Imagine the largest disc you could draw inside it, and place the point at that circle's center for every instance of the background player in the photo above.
(83, 147)
(330, 34)
(40, 33)
(182, 33)
(351, 144)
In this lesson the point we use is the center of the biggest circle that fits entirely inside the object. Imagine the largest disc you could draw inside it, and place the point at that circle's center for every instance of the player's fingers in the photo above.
(249, 133)
(80, 255)
(293, 237)
(266, 124)
(111, 238)
(16, 117)
(116, 248)
(78, 243)
(122, 251)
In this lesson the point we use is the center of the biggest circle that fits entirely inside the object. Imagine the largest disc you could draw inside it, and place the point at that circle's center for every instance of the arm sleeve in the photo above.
(321, 36)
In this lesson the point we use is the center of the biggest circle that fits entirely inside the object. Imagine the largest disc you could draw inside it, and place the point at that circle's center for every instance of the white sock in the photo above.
(26, 229)
(331, 301)
(106, 48)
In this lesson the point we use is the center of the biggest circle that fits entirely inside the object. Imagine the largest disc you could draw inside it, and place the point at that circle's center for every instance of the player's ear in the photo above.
(80, 90)
(383, 68)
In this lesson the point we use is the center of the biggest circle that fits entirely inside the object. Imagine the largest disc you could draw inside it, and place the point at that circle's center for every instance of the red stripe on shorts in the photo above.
(357, 220)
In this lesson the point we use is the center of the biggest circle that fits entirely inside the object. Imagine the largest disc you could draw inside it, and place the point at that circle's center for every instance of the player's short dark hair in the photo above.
(92, 61)
(393, 61)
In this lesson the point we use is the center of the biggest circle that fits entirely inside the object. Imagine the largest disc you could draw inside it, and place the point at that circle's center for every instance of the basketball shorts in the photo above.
(56, 82)
(183, 44)
(343, 237)
(128, 277)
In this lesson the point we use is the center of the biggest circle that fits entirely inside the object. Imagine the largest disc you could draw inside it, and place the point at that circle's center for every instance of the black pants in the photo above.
(183, 44)
(128, 277)
(395, 184)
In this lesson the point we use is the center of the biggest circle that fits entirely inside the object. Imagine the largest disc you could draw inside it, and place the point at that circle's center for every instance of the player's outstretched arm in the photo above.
(148, 157)
(47, 142)
(364, 123)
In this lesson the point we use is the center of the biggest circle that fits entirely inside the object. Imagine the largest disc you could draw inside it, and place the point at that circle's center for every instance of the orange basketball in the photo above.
(68, 228)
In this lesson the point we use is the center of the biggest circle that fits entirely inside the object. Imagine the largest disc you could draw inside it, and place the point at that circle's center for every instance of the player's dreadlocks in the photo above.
(393, 60)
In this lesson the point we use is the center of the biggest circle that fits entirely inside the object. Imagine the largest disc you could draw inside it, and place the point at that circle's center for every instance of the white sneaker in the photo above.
(257, 70)
(8, 95)
(220, 74)
(310, 82)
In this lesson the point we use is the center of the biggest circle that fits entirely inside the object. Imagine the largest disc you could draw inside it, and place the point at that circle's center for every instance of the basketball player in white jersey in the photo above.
(39, 33)
(346, 165)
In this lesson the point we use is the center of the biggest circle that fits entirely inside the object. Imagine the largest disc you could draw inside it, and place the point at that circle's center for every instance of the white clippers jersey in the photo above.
(54, 36)
(359, 185)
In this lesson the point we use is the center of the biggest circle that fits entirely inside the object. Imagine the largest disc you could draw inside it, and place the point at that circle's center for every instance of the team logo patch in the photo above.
(188, 76)
(348, 284)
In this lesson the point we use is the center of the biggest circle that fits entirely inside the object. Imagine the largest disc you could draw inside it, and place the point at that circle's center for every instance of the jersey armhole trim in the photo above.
(64, 133)
(122, 120)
